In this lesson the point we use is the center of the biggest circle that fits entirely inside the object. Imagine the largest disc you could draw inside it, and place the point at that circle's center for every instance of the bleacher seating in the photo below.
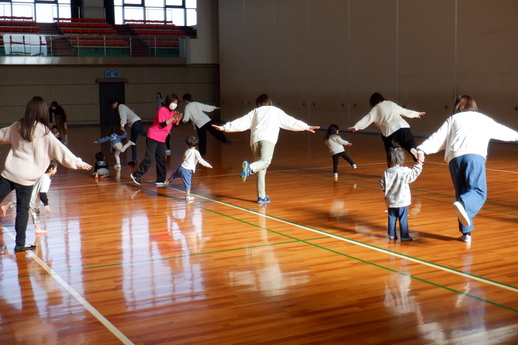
(89, 32)
(157, 34)
(23, 25)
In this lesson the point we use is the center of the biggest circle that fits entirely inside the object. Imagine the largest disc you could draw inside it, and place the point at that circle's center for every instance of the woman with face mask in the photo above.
(165, 117)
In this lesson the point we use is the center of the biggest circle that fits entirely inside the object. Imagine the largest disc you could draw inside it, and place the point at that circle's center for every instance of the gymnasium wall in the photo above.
(77, 90)
(74, 84)
(320, 60)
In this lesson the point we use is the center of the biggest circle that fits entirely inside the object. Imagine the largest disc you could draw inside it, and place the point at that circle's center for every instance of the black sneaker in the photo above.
(135, 179)
(25, 248)
(132, 163)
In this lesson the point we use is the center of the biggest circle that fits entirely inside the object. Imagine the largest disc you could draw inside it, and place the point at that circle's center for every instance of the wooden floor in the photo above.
(138, 265)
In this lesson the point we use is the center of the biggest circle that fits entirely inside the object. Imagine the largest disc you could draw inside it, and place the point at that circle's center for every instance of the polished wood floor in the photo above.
(127, 264)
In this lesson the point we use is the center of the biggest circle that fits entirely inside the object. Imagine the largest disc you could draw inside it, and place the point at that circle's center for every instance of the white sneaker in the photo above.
(354, 166)
(461, 214)
(336, 177)
(189, 197)
(117, 166)
(466, 238)
(161, 184)
(167, 152)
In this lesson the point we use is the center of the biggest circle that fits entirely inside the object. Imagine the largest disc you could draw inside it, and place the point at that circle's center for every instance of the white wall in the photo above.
(320, 60)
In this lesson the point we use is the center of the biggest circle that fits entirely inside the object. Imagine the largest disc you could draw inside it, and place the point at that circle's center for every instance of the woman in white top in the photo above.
(264, 123)
(464, 137)
(128, 117)
(388, 117)
(32, 147)
(195, 111)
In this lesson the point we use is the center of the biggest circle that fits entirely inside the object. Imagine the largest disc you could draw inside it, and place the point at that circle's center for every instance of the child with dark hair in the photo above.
(191, 158)
(38, 196)
(55, 131)
(395, 183)
(116, 147)
(101, 166)
(336, 148)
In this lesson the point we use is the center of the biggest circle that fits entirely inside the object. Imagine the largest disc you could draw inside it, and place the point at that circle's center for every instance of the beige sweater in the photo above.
(28, 161)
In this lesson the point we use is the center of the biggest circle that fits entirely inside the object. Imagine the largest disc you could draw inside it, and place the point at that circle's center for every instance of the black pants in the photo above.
(202, 136)
(23, 198)
(155, 150)
(336, 157)
(136, 130)
(403, 137)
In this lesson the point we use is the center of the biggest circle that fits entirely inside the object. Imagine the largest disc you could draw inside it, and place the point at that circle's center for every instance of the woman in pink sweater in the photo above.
(32, 147)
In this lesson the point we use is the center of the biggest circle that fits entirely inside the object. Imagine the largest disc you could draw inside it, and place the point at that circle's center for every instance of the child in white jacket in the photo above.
(191, 158)
(336, 145)
(395, 182)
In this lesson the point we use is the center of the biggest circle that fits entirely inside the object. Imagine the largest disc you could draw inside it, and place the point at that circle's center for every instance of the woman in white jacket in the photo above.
(32, 147)
(388, 117)
(264, 123)
(465, 137)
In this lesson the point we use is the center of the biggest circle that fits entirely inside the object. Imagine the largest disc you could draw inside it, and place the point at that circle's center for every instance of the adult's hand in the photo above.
(219, 128)
(312, 128)
(352, 129)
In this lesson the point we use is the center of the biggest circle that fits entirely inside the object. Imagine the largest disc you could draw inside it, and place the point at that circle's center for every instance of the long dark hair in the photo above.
(465, 103)
(376, 98)
(36, 111)
(331, 130)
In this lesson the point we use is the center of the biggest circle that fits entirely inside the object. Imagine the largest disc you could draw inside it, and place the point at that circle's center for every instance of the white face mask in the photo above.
(173, 106)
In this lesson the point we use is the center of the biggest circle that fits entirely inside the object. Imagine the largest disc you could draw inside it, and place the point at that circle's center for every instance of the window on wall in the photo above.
(180, 12)
(42, 11)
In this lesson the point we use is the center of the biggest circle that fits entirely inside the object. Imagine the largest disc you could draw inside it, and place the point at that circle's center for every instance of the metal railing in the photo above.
(38, 45)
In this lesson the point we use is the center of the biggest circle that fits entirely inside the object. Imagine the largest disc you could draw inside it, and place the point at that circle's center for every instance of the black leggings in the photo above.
(336, 157)
(403, 137)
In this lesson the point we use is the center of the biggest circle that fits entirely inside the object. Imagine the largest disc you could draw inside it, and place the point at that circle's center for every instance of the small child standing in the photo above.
(336, 148)
(55, 131)
(101, 166)
(395, 182)
(38, 196)
(114, 137)
(191, 158)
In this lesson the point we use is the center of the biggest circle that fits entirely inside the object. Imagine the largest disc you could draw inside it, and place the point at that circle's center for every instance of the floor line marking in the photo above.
(103, 320)
(368, 246)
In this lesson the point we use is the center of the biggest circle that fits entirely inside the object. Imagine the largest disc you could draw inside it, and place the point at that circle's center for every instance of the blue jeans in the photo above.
(468, 173)
(395, 213)
(186, 176)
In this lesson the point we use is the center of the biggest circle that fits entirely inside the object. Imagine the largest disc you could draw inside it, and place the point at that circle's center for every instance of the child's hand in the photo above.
(420, 157)
(95, 142)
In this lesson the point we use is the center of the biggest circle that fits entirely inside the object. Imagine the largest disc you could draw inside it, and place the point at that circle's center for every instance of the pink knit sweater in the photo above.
(27, 161)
